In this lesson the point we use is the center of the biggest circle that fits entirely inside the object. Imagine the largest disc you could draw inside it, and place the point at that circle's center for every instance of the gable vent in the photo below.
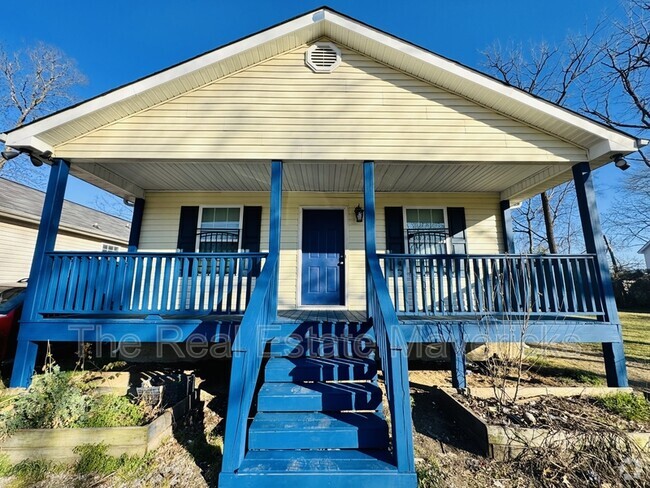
(323, 57)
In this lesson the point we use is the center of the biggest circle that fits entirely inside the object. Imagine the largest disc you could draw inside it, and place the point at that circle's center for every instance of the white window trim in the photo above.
(106, 244)
(427, 207)
(200, 218)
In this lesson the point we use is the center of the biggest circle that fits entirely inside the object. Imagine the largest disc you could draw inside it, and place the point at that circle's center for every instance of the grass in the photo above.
(627, 405)
(5, 465)
(636, 341)
(95, 460)
(569, 374)
(429, 475)
(30, 472)
(636, 336)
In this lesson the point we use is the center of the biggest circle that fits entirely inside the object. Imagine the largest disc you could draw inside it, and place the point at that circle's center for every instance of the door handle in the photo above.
(341, 259)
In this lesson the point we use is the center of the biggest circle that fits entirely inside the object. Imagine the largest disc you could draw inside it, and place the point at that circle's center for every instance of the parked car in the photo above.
(12, 296)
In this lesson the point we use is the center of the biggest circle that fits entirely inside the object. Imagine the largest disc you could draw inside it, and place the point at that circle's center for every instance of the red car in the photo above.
(12, 296)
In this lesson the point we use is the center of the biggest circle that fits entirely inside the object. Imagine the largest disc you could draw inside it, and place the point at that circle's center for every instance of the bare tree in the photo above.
(554, 73)
(33, 82)
(620, 97)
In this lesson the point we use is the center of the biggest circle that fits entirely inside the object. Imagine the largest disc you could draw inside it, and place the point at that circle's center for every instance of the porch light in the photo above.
(620, 162)
(358, 213)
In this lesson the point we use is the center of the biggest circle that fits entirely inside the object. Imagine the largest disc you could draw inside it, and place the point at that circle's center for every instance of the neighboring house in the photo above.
(250, 167)
(645, 250)
(81, 229)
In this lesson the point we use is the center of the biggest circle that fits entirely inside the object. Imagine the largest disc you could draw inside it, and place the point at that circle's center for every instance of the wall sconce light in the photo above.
(358, 213)
(620, 162)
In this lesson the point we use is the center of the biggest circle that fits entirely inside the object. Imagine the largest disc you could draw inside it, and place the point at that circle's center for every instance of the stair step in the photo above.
(314, 469)
(318, 431)
(318, 397)
(336, 329)
(319, 369)
(294, 347)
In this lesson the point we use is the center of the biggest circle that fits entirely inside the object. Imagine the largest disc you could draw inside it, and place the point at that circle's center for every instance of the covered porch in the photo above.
(443, 294)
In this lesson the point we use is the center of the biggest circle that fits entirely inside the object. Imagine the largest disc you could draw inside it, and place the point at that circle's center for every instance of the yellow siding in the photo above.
(162, 214)
(17, 242)
(280, 109)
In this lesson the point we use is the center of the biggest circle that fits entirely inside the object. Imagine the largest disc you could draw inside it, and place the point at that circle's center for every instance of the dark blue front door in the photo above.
(323, 257)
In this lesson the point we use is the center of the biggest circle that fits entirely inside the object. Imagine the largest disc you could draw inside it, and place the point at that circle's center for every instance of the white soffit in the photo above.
(47, 133)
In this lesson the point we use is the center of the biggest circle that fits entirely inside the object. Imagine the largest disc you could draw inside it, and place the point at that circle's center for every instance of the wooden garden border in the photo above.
(58, 444)
(506, 442)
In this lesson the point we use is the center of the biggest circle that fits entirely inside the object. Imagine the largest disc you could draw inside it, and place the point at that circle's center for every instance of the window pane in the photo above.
(219, 230)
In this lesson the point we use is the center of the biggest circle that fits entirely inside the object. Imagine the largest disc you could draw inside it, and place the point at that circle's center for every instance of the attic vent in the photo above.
(323, 57)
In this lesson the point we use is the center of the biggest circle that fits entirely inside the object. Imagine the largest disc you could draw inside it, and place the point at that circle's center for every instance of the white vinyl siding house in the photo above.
(162, 213)
(82, 229)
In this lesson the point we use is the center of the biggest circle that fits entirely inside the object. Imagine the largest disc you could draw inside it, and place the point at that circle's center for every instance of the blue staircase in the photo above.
(319, 417)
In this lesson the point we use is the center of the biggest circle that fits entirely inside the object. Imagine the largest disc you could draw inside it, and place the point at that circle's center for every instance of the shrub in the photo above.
(639, 292)
(62, 400)
(627, 405)
(113, 411)
(53, 401)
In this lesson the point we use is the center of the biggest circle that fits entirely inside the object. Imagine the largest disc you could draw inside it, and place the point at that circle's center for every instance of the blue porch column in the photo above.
(506, 227)
(136, 225)
(275, 223)
(613, 353)
(370, 220)
(47, 230)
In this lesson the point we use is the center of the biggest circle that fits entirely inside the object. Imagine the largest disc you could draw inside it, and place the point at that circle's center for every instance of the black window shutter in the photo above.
(394, 218)
(187, 228)
(251, 232)
(457, 228)
(251, 229)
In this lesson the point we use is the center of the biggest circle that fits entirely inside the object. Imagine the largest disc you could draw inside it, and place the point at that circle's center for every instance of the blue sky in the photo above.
(115, 42)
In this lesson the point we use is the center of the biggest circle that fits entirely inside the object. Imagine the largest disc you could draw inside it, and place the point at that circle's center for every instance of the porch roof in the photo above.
(48, 134)
(333, 176)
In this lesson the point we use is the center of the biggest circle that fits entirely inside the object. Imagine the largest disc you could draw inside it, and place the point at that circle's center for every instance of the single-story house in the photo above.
(317, 197)
(81, 229)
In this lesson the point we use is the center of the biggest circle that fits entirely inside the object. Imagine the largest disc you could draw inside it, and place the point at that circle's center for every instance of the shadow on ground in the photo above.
(202, 433)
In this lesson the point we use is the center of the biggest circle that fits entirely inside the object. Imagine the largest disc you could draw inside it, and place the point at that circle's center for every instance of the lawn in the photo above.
(636, 336)
(583, 363)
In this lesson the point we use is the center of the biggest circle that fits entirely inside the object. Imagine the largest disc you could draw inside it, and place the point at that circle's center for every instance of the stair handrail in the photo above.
(247, 355)
(393, 351)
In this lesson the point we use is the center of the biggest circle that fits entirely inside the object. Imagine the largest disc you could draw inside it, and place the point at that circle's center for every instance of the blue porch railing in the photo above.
(248, 351)
(516, 285)
(143, 283)
(393, 351)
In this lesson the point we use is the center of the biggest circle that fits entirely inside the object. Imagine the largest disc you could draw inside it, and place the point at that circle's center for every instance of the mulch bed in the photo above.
(577, 413)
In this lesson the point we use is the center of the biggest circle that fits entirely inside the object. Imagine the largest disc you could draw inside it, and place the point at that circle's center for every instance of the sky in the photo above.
(115, 42)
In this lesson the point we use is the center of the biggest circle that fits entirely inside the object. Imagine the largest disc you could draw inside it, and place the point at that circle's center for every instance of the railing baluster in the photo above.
(413, 285)
(222, 275)
(214, 265)
(231, 275)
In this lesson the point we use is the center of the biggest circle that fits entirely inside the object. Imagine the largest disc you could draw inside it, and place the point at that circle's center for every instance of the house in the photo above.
(316, 197)
(81, 229)
(645, 250)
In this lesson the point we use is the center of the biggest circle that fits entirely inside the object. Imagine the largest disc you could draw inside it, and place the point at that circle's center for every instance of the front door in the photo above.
(323, 257)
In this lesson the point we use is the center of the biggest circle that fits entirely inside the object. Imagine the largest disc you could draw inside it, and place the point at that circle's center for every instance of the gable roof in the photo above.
(643, 249)
(24, 203)
(45, 133)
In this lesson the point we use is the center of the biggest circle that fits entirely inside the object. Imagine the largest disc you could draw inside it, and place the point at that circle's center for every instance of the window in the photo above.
(110, 248)
(426, 231)
(219, 229)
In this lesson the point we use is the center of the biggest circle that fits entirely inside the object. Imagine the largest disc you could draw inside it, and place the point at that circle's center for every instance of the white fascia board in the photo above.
(16, 138)
(603, 151)
(484, 82)
(29, 144)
